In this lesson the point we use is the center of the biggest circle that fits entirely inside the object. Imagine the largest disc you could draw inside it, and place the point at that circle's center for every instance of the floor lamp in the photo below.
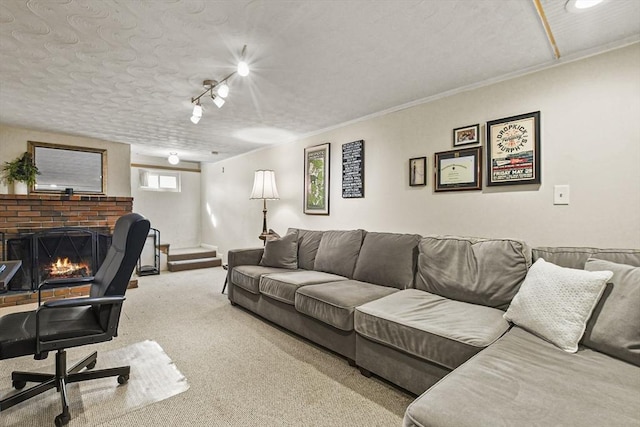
(264, 187)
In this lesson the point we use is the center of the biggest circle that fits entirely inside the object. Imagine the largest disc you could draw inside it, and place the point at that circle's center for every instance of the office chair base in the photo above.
(59, 381)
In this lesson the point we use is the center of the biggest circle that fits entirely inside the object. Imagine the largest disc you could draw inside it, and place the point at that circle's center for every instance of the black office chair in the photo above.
(62, 324)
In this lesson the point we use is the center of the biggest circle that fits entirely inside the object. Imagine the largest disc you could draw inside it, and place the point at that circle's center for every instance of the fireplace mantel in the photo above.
(32, 212)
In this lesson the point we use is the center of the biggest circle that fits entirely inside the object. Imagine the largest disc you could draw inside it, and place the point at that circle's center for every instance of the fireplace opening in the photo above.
(57, 254)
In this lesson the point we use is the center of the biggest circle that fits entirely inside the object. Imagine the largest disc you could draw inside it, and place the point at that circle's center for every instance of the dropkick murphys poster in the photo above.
(513, 150)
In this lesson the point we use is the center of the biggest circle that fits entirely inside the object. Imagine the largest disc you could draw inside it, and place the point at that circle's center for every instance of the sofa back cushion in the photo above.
(576, 257)
(614, 327)
(308, 242)
(388, 259)
(474, 270)
(338, 252)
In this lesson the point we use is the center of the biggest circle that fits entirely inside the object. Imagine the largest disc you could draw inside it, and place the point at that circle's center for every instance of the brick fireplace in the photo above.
(34, 213)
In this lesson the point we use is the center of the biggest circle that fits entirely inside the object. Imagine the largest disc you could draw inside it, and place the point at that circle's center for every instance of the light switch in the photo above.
(561, 195)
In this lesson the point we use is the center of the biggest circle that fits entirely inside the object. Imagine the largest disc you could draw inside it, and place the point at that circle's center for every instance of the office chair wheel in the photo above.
(62, 420)
(122, 379)
(91, 365)
(19, 385)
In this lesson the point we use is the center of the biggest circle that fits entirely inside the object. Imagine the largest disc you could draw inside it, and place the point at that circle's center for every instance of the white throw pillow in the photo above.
(555, 302)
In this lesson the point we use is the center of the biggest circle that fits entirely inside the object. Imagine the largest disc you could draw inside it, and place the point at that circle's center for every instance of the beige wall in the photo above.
(590, 141)
(13, 142)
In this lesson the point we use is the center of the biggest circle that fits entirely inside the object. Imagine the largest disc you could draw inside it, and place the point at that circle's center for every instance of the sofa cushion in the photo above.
(283, 286)
(338, 252)
(614, 327)
(575, 257)
(308, 242)
(430, 327)
(388, 259)
(281, 252)
(479, 271)
(333, 303)
(522, 380)
(556, 302)
(248, 277)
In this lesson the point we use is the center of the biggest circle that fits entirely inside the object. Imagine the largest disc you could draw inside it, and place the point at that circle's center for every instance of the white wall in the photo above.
(13, 142)
(176, 215)
(590, 140)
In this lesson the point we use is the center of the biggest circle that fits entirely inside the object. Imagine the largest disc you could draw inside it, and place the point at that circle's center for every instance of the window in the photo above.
(153, 180)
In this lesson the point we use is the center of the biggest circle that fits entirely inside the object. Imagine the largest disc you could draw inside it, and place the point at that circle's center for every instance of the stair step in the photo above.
(193, 264)
(190, 253)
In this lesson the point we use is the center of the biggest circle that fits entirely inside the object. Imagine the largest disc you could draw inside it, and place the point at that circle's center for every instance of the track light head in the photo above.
(217, 100)
(243, 68)
(223, 89)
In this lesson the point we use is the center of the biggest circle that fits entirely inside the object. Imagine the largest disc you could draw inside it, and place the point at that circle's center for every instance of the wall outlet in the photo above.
(561, 195)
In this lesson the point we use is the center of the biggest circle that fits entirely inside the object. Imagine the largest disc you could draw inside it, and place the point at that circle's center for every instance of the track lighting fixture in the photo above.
(218, 90)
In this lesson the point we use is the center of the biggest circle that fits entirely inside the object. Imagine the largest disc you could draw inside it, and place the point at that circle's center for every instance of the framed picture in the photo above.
(316, 179)
(513, 150)
(353, 170)
(417, 171)
(466, 135)
(459, 169)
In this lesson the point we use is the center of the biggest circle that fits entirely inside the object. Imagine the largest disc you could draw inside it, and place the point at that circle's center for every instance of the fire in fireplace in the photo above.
(56, 254)
(65, 269)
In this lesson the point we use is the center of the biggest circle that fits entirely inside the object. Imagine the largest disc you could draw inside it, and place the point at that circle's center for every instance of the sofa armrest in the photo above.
(250, 256)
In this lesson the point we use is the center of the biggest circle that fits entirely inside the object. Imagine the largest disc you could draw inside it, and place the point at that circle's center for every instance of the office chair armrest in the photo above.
(61, 283)
(79, 302)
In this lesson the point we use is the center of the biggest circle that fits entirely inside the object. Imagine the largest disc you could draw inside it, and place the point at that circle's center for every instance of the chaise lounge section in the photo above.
(428, 314)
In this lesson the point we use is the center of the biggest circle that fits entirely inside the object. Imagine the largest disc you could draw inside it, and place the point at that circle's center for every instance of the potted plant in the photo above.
(21, 173)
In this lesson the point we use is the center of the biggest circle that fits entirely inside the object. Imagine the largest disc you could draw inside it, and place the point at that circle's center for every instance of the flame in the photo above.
(63, 267)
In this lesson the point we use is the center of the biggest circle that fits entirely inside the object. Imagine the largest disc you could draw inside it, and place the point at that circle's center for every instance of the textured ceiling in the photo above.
(125, 70)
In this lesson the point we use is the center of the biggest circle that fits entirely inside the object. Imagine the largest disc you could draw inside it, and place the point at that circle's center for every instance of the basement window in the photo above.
(152, 180)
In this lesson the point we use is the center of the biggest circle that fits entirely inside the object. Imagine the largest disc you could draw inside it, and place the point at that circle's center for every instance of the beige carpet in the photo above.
(154, 378)
(241, 370)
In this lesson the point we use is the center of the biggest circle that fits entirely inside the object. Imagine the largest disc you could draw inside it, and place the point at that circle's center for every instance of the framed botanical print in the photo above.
(316, 179)
(513, 150)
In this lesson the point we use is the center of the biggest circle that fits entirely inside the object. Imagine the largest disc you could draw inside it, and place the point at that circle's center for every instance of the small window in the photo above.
(153, 180)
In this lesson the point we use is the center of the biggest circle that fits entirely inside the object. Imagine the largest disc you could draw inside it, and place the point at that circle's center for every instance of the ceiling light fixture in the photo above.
(173, 158)
(577, 6)
(218, 90)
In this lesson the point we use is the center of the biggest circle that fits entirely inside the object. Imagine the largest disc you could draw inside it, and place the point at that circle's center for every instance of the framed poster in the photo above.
(466, 135)
(459, 169)
(417, 171)
(513, 150)
(353, 170)
(316, 179)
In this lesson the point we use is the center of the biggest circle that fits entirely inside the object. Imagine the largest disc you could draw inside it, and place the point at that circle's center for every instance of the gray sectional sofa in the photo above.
(428, 314)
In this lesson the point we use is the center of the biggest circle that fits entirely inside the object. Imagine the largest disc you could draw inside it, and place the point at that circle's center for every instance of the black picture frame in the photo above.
(513, 150)
(418, 172)
(466, 135)
(353, 170)
(317, 165)
(458, 170)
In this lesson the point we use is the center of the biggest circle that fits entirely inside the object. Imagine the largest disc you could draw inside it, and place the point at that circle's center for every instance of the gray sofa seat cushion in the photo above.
(248, 277)
(475, 270)
(388, 259)
(308, 243)
(430, 327)
(576, 257)
(334, 303)
(338, 252)
(522, 380)
(283, 286)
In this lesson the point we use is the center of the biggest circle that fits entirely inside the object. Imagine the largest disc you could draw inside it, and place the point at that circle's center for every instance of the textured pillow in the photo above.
(338, 252)
(281, 252)
(614, 328)
(556, 302)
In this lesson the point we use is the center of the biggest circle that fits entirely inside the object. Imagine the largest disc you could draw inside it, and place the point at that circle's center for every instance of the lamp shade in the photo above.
(264, 185)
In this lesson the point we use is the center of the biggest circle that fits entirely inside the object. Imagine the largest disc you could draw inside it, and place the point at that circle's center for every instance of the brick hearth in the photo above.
(34, 212)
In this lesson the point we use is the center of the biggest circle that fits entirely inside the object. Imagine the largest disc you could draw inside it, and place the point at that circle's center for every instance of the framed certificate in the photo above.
(458, 170)
(513, 150)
